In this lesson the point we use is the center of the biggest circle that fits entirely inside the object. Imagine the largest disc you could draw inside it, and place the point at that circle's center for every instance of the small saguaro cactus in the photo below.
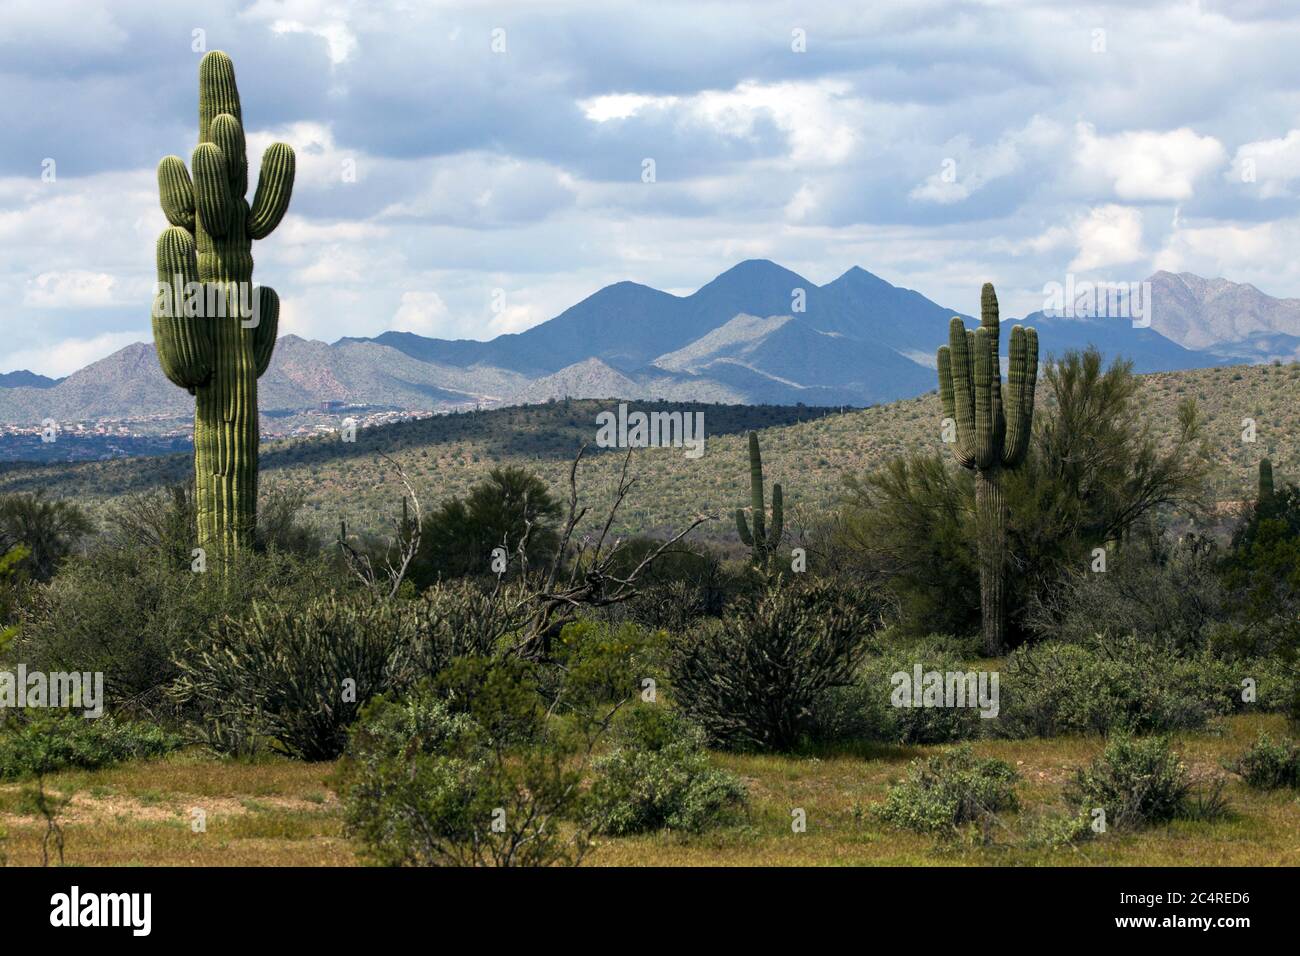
(1265, 481)
(989, 436)
(214, 333)
(763, 541)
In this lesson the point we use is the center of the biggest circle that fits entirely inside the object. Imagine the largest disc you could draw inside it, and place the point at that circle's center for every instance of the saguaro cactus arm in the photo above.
(268, 316)
(1022, 378)
(184, 343)
(743, 528)
(778, 518)
(177, 192)
(274, 187)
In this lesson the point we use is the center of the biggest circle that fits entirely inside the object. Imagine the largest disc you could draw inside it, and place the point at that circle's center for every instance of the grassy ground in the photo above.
(283, 813)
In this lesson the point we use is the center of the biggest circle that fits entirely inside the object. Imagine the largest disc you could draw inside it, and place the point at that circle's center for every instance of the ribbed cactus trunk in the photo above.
(763, 541)
(991, 519)
(214, 333)
(1265, 481)
(989, 438)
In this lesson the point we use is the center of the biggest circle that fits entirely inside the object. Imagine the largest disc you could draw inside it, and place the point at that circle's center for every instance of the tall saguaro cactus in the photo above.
(214, 333)
(990, 436)
(763, 541)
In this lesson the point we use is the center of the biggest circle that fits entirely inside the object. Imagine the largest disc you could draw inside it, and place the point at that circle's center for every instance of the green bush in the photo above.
(600, 662)
(1269, 764)
(1115, 686)
(128, 611)
(1170, 593)
(31, 746)
(948, 790)
(659, 778)
(423, 785)
(878, 719)
(1136, 781)
(752, 679)
(1056, 830)
(300, 675)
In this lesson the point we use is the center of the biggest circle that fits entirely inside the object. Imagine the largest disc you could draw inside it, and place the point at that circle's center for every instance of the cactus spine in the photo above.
(990, 436)
(214, 333)
(1265, 481)
(763, 541)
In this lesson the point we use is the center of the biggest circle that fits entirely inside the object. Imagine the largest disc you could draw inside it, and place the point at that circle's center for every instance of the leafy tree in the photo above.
(49, 529)
(511, 504)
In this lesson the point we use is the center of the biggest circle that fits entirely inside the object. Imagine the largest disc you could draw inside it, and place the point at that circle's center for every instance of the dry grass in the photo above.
(283, 813)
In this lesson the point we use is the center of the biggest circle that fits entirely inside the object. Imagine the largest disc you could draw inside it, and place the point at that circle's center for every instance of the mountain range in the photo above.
(758, 333)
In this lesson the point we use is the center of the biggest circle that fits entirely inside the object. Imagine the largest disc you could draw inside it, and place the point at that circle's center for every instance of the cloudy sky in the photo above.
(453, 156)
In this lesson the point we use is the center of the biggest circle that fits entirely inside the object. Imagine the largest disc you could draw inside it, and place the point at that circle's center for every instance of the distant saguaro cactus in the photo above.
(1265, 481)
(763, 541)
(214, 333)
(989, 438)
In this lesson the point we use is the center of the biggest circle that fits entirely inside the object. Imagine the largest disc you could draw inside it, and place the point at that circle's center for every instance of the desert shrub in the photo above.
(1114, 686)
(128, 611)
(921, 725)
(300, 674)
(1056, 830)
(1136, 781)
(950, 789)
(1269, 764)
(1172, 594)
(425, 785)
(674, 606)
(462, 618)
(658, 778)
(751, 680)
(866, 709)
(49, 528)
(31, 746)
(598, 662)
(1262, 575)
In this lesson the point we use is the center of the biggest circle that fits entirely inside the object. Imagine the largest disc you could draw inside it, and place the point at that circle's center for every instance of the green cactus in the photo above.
(763, 541)
(214, 333)
(989, 436)
(1265, 481)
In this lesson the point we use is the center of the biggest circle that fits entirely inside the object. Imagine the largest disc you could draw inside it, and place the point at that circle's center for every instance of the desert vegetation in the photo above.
(500, 677)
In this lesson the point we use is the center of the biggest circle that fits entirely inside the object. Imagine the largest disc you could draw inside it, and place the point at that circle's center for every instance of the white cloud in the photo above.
(1145, 165)
(1271, 163)
(327, 20)
(966, 169)
(421, 312)
(821, 119)
(1108, 235)
(76, 289)
(1261, 253)
(68, 355)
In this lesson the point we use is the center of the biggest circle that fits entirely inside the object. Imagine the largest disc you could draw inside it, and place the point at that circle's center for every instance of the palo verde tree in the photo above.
(762, 541)
(989, 436)
(214, 333)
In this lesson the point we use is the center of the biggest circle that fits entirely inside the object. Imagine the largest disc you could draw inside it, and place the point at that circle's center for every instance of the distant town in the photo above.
(107, 438)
